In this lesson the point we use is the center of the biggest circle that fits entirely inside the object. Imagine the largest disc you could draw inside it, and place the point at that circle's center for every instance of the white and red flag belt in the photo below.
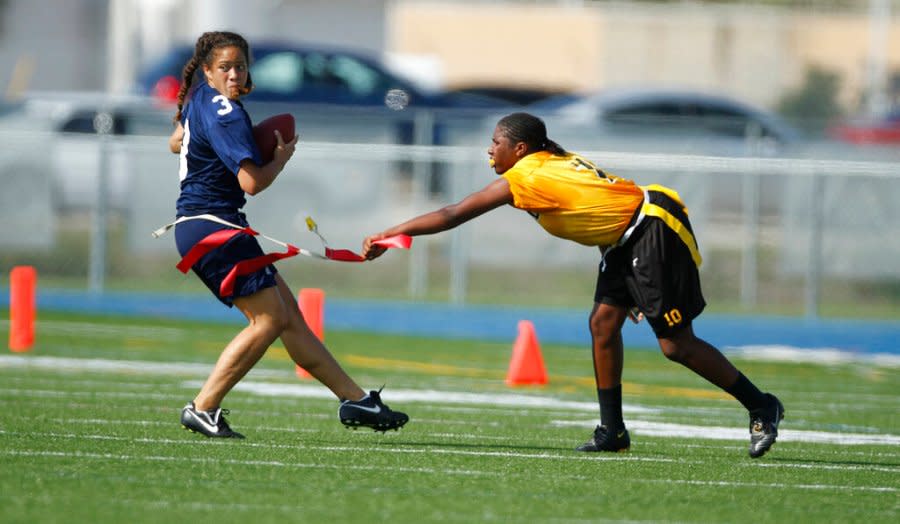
(245, 267)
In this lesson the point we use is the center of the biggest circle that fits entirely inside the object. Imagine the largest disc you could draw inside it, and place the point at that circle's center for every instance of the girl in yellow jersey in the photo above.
(648, 264)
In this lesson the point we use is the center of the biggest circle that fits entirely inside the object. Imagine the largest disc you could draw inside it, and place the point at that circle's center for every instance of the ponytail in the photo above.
(554, 148)
(203, 54)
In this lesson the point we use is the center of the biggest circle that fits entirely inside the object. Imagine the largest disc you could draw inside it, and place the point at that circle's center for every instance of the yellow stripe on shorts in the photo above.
(670, 220)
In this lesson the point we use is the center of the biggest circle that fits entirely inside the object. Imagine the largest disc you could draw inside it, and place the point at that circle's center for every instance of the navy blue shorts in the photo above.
(213, 267)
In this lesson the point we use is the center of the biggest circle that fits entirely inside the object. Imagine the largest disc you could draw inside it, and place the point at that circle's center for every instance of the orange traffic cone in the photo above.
(527, 365)
(311, 302)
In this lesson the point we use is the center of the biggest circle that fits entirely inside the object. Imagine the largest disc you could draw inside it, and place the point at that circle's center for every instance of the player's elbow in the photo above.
(456, 214)
(450, 217)
(250, 185)
(252, 189)
(253, 179)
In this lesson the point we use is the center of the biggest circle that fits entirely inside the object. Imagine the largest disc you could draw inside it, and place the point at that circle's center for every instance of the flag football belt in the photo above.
(246, 267)
(650, 208)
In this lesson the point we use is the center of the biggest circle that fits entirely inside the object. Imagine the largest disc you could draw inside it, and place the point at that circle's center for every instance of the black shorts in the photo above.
(654, 271)
(213, 267)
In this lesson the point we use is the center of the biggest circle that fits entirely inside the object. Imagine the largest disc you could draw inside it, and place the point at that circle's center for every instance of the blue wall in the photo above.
(557, 326)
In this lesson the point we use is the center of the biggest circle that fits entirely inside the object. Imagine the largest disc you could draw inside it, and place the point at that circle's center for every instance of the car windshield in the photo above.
(359, 78)
(685, 117)
(278, 73)
(667, 113)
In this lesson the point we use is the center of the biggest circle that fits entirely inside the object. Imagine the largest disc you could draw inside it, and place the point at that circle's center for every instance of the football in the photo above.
(264, 134)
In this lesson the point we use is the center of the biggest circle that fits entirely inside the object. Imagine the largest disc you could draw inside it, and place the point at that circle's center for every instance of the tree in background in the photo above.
(814, 104)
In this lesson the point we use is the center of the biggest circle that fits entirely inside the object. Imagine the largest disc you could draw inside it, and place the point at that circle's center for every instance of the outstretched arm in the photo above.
(494, 195)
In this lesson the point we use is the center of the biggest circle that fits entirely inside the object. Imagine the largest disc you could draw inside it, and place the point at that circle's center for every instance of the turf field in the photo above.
(89, 433)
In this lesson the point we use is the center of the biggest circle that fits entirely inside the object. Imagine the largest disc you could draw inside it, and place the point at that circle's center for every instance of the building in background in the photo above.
(100, 44)
(753, 52)
(750, 51)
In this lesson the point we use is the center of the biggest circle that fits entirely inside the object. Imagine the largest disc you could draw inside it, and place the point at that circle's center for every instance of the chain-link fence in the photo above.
(788, 236)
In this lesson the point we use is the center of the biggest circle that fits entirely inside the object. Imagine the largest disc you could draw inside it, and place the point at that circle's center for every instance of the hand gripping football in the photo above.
(264, 134)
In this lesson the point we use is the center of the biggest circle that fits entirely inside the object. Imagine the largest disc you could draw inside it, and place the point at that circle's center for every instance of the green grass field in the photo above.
(89, 433)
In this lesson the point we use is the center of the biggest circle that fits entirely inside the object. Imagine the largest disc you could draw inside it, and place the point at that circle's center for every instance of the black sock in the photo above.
(747, 394)
(611, 407)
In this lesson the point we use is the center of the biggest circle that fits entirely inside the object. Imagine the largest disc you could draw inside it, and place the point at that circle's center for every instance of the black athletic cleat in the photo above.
(605, 440)
(764, 426)
(210, 423)
(371, 413)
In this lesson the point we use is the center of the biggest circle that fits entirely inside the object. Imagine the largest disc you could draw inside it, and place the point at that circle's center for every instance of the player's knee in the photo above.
(604, 327)
(273, 324)
(678, 347)
(603, 340)
(282, 322)
(672, 350)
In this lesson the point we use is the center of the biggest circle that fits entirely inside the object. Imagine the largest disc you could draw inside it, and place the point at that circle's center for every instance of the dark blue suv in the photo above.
(288, 73)
(306, 74)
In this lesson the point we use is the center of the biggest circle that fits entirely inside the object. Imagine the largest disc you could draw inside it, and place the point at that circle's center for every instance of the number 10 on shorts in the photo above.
(673, 317)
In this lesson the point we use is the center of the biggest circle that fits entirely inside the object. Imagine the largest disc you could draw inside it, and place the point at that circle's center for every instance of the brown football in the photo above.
(264, 134)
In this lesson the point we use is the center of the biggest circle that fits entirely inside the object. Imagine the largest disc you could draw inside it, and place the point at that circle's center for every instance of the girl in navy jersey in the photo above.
(219, 164)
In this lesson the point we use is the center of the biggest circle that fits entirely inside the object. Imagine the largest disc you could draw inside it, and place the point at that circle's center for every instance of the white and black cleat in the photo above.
(211, 423)
(371, 412)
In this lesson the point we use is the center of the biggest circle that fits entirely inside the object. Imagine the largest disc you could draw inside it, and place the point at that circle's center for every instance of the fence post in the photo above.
(103, 125)
(814, 265)
(423, 132)
(460, 237)
(750, 250)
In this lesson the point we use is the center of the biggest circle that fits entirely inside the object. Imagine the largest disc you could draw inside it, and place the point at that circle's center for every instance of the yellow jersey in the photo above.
(572, 199)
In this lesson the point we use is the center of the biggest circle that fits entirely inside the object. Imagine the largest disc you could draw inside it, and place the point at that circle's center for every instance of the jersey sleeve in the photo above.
(527, 193)
(231, 133)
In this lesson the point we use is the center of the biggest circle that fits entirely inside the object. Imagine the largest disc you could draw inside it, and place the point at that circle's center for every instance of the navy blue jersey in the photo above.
(218, 136)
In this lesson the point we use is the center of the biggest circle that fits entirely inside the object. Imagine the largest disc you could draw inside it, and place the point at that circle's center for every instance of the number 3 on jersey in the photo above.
(673, 317)
(226, 104)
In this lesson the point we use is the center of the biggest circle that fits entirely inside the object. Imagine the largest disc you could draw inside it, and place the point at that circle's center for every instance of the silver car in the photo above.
(663, 121)
(56, 137)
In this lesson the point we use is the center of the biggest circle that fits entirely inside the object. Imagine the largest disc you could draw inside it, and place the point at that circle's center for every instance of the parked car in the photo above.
(314, 80)
(284, 72)
(665, 120)
(508, 94)
(881, 131)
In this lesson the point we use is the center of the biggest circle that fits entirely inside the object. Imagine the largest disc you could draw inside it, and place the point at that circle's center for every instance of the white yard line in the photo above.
(268, 389)
(269, 463)
(833, 356)
(106, 330)
(663, 429)
(431, 396)
(430, 471)
(139, 367)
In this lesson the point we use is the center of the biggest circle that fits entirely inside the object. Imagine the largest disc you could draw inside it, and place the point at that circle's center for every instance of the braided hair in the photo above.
(527, 128)
(203, 55)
